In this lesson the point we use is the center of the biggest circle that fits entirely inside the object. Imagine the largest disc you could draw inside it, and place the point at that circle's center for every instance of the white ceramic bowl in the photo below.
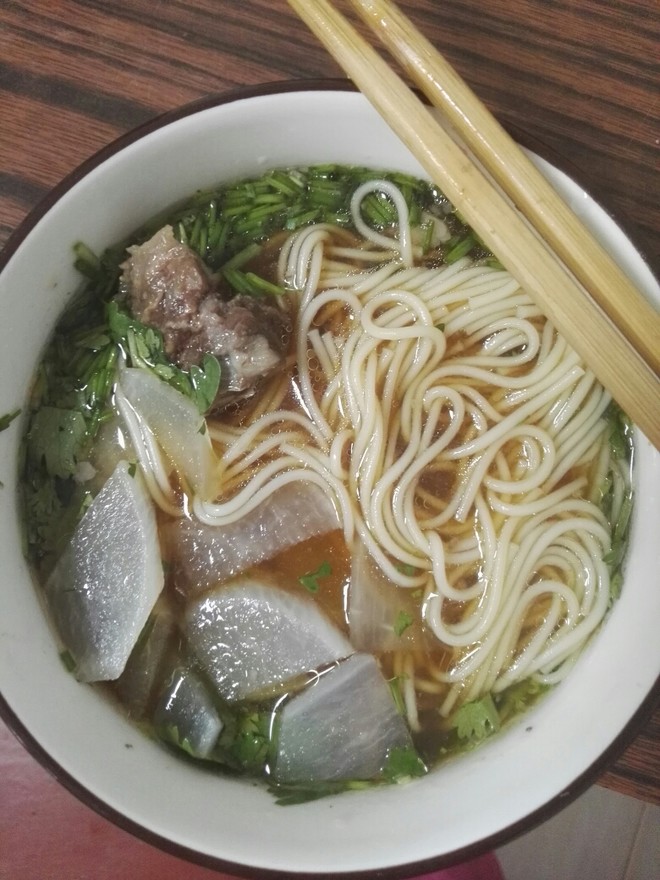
(472, 803)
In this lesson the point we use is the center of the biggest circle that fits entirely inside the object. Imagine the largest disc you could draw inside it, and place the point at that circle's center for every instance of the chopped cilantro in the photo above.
(397, 695)
(292, 795)
(403, 620)
(616, 495)
(144, 348)
(460, 248)
(407, 569)
(8, 418)
(57, 435)
(67, 659)
(170, 733)
(250, 284)
(310, 581)
(619, 432)
(518, 698)
(245, 741)
(205, 381)
(616, 583)
(251, 744)
(477, 720)
(86, 261)
(403, 763)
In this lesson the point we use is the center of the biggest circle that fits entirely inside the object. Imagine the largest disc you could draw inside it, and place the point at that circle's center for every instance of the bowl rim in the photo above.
(77, 788)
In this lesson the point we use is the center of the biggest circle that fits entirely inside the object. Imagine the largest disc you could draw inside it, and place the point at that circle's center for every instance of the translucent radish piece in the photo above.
(151, 659)
(178, 427)
(111, 445)
(381, 616)
(249, 637)
(343, 726)
(106, 582)
(186, 716)
(204, 555)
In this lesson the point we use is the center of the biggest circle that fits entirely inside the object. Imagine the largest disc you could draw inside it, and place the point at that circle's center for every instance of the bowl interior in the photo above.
(471, 801)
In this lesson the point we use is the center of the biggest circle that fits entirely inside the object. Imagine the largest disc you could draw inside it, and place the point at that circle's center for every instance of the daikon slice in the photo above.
(250, 637)
(204, 555)
(177, 425)
(112, 444)
(185, 714)
(106, 582)
(344, 726)
(381, 615)
(149, 662)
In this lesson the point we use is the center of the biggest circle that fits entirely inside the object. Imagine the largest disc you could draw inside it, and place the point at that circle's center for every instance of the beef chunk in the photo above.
(168, 287)
(248, 337)
(166, 283)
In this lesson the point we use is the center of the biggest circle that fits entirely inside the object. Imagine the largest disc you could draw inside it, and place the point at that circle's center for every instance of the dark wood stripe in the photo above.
(58, 92)
(20, 189)
(245, 32)
(545, 32)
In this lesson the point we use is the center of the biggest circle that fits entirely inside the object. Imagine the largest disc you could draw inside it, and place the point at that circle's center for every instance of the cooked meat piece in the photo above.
(168, 287)
(248, 337)
(166, 283)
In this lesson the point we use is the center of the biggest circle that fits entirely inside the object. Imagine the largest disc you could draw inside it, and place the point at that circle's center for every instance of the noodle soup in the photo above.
(313, 489)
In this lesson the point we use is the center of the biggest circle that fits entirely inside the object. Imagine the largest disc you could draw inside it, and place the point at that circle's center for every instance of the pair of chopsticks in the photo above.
(506, 200)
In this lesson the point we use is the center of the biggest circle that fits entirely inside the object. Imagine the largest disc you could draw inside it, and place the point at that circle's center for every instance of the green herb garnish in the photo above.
(293, 795)
(403, 763)
(250, 746)
(403, 620)
(8, 418)
(68, 661)
(477, 720)
(250, 284)
(397, 694)
(170, 733)
(205, 381)
(144, 348)
(310, 581)
(461, 248)
(517, 698)
(57, 435)
(616, 494)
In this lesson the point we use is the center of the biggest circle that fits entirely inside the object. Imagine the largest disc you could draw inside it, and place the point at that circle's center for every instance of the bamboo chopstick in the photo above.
(499, 154)
(623, 366)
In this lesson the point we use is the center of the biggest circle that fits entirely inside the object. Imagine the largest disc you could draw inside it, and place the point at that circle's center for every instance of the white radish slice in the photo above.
(343, 726)
(205, 555)
(106, 582)
(142, 675)
(112, 444)
(381, 615)
(177, 425)
(186, 716)
(250, 637)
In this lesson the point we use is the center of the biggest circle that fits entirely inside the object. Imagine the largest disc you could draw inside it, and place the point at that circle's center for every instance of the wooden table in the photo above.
(578, 80)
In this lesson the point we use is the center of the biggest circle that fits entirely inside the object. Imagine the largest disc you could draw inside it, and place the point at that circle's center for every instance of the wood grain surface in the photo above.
(577, 80)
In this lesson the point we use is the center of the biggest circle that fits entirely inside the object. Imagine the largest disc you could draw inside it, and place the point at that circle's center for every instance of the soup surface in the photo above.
(312, 488)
